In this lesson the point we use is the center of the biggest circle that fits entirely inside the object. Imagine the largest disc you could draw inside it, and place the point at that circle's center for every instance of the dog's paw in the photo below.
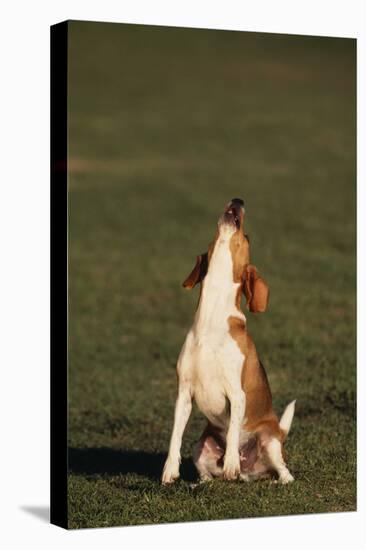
(205, 478)
(170, 473)
(286, 478)
(244, 477)
(231, 469)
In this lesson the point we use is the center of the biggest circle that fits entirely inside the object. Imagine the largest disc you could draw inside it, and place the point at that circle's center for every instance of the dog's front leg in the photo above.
(232, 459)
(183, 409)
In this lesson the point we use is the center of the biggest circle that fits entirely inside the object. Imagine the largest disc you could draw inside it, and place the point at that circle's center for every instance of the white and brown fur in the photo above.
(218, 367)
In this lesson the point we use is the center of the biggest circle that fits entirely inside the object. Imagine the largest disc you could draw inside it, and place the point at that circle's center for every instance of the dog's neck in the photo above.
(218, 298)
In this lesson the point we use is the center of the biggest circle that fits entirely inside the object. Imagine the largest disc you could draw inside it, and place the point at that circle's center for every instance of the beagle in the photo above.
(218, 366)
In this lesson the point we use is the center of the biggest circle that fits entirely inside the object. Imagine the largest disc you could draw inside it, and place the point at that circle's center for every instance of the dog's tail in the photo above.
(287, 417)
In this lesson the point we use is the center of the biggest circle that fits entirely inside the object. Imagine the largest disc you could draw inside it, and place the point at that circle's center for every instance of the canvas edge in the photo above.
(59, 279)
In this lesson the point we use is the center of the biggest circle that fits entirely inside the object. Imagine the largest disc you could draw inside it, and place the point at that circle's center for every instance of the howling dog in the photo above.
(219, 367)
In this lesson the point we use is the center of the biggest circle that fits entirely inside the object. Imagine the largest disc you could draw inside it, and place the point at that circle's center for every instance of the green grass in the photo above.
(166, 125)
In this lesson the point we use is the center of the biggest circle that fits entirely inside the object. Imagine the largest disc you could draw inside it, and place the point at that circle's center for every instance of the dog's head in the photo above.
(230, 228)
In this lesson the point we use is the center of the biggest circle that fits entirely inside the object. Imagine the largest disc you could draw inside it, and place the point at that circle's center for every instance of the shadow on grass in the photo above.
(107, 461)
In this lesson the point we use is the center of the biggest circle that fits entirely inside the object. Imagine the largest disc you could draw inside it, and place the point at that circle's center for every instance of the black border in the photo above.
(59, 239)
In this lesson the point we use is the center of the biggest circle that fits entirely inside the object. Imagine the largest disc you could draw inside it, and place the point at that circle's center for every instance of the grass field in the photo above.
(167, 125)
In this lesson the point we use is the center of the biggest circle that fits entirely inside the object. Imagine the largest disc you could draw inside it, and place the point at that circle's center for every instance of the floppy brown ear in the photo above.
(198, 272)
(255, 289)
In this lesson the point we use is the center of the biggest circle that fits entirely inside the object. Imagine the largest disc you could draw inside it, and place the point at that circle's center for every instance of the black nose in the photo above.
(238, 201)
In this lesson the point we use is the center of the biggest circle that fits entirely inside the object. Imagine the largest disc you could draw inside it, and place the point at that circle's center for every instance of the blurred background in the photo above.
(165, 126)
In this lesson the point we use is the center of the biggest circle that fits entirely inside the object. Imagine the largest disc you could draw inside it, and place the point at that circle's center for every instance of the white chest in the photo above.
(217, 365)
(219, 293)
(211, 357)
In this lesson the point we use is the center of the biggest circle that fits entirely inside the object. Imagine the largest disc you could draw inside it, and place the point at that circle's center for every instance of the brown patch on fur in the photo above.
(259, 413)
(198, 273)
(254, 287)
(200, 269)
(239, 248)
(256, 290)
